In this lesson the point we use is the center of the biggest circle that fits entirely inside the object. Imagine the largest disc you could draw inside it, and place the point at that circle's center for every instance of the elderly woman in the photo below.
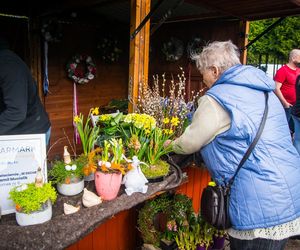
(265, 195)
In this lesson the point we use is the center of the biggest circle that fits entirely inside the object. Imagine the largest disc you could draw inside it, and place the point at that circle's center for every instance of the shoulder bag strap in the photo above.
(251, 147)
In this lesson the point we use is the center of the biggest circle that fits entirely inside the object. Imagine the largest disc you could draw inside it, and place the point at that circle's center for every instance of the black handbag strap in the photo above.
(251, 147)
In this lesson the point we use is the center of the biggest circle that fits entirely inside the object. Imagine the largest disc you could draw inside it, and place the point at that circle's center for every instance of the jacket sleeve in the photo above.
(209, 120)
(13, 84)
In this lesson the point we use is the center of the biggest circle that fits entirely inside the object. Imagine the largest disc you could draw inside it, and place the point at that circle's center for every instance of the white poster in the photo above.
(20, 157)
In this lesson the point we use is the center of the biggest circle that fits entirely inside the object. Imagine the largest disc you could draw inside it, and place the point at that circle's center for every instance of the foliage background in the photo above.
(277, 43)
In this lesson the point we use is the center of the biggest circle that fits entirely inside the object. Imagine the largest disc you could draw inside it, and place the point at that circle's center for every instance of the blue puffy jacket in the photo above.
(266, 191)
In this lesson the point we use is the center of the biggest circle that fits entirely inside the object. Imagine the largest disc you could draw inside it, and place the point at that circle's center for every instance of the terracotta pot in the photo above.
(108, 184)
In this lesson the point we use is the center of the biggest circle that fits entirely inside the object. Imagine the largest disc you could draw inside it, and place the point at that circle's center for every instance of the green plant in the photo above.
(87, 133)
(65, 173)
(28, 198)
(207, 232)
(186, 238)
(156, 149)
(108, 127)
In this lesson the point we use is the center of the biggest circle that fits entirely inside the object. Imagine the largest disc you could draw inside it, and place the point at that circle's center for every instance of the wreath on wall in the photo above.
(109, 49)
(160, 213)
(81, 69)
(52, 30)
(195, 46)
(173, 49)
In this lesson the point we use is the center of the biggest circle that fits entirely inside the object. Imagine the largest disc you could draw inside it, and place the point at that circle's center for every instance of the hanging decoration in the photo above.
(173, 49)
(109, 50)
(51, 32)
(195, 46)
(81, 69)
(45, 77)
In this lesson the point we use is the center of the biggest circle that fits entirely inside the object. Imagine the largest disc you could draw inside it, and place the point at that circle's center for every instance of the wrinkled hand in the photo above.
(167, 143)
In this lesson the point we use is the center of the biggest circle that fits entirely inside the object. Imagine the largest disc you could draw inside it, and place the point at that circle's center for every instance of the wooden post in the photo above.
(243, 40)
(139, 50)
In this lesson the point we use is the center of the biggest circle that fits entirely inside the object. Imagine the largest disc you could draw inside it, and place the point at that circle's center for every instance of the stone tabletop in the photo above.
(64, 230)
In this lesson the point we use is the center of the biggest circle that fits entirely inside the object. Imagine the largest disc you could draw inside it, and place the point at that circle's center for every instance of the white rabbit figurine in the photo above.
(135, 180)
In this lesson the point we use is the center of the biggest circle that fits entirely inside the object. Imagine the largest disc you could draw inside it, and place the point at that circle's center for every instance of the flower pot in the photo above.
(34, 218)
(108, 184)
(168, 245)
(200, 247)
(218, 242)
(70, 189)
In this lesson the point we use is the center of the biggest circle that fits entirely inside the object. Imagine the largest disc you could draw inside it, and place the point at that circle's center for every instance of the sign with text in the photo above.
(20, 157)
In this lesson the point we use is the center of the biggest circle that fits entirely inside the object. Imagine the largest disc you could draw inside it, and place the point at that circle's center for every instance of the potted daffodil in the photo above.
(110, 169)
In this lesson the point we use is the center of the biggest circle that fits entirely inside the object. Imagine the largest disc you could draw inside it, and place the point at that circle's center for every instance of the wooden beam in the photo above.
(139, 50)
(243, 40)
(214, 7)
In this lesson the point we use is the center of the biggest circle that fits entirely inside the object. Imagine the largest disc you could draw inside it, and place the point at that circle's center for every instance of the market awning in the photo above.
(188, 10)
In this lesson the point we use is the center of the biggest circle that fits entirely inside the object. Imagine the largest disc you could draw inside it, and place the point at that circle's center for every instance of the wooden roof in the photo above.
(187, 9)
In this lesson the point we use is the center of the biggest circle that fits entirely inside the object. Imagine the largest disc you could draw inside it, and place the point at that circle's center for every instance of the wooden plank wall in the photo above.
(110, 82)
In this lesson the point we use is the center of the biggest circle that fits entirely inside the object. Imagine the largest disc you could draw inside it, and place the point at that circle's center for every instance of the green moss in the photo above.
(58, 173)
(32, 198)
(161, 168)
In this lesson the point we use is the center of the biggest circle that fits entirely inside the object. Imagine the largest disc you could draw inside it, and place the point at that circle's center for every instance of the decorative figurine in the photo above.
(39, 180)
(135, 180)
(90, 199)
(67, 156)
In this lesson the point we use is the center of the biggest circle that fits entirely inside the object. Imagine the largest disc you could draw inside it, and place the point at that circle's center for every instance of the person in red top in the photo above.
(285, 79)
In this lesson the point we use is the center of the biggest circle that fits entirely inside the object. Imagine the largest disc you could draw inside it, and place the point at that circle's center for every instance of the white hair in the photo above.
(293, 54)
(222, 55)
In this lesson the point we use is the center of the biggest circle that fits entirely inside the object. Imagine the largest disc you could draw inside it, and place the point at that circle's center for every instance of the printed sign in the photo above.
(20, 157)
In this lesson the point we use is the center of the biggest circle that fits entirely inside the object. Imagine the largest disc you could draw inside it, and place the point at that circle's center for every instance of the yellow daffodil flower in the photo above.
(175, 121)
(77, 119)
(166, 120)
(95, 111)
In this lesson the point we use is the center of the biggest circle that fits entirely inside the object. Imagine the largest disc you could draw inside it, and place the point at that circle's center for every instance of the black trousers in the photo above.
(257, 244)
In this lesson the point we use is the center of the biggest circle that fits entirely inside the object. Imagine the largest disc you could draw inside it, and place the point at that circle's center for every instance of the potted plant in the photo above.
(219, 237)
(68, 174)
(33, 203)
(206, 235)
(88, 135)
(111, 167)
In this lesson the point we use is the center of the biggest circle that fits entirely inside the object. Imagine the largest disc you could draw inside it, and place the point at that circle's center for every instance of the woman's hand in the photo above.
(167, 143)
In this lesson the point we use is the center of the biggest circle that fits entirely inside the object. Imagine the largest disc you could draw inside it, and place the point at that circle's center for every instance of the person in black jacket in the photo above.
(296, 116)
(21, 110)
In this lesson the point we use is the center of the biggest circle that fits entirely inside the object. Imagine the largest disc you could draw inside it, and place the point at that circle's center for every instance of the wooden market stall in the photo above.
(83, 25)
